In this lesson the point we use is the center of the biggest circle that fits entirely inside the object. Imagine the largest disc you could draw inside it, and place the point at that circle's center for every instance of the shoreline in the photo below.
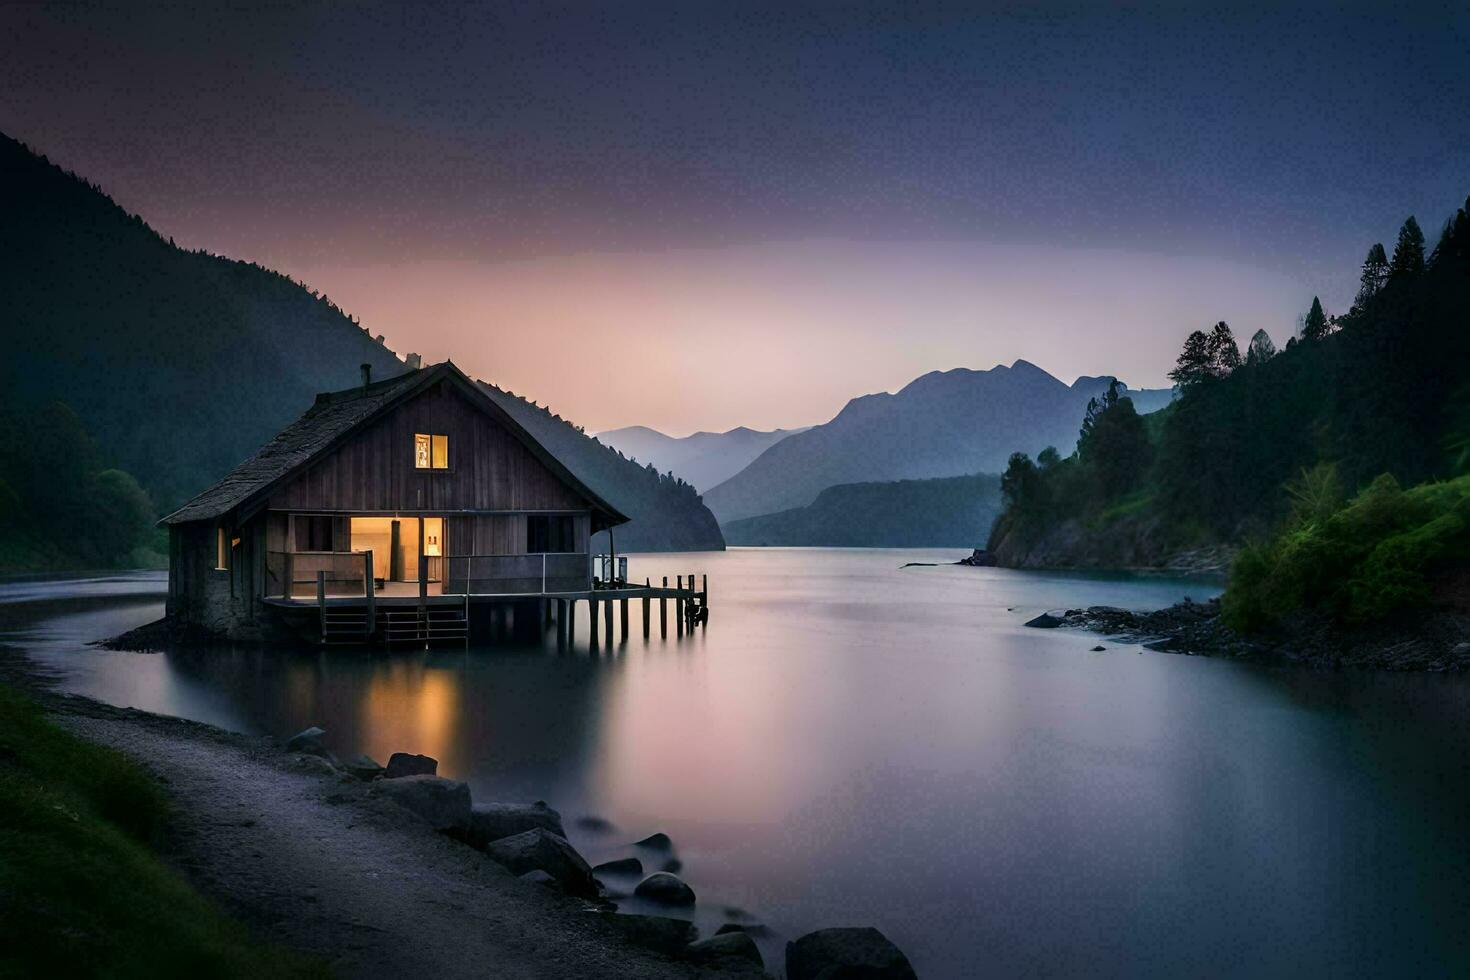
(1436, 641)
(354, 870)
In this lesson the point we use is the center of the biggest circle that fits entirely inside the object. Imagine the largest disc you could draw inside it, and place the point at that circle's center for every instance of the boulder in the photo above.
(660, 932)
(444, 803)
(308, 741)
(492, 821)
(364, 768)
(1046, 621)
(401, 764)
(655, 842)
(538, 877)
(621, 866)
(544, 851)
(722, 945)
(979, 558)
(1098, 649)
(840, 954)
(665, 889)
(1460, 649)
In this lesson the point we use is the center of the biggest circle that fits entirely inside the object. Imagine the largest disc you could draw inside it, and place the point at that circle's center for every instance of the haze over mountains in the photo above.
(943, 424)
(181, 364)
(703, 459)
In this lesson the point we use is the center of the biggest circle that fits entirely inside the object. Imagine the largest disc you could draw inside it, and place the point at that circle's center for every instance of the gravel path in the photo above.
(315, 863)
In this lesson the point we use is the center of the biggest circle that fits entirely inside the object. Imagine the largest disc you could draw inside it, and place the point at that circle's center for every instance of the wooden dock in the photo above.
(424, 619)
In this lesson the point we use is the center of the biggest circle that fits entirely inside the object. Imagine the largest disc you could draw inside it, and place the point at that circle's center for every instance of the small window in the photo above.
(222, 549)
(549, 534)
(430, 452)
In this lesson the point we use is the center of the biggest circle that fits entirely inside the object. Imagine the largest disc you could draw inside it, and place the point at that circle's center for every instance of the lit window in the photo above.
(430, 452)
(221, 549)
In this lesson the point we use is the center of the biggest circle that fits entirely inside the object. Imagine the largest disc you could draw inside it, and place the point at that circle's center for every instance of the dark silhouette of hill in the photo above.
(946, 423)
(705, 459)
(667, 513)
(954, 511)
(177, 365)
(180, 364)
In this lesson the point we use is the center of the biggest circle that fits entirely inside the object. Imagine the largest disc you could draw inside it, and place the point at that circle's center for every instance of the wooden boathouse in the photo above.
(407, 510)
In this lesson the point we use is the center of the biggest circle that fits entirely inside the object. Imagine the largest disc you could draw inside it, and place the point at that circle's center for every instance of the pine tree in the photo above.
(1261, 349)
(1224, 352)
(1194, 364)
(1314, 327)
(1408, 252)
(1375, 274)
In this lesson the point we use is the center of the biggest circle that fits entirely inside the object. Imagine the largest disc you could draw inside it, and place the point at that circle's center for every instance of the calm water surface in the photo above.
(850, 742)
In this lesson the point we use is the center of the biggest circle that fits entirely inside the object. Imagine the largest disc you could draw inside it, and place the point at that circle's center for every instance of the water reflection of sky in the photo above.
(852, 742)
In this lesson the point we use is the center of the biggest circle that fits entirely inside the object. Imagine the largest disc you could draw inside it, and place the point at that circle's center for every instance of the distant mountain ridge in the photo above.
(704, 459)
(181, 364)
(945, 423)
(945, 512)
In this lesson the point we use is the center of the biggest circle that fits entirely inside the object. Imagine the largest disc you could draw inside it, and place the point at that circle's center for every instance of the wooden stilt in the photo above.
(623, 613)
(645, 609)
(561, 626)
(607, 621)
(592, 614)
(663, 613)
(679, 608)
(571, 611)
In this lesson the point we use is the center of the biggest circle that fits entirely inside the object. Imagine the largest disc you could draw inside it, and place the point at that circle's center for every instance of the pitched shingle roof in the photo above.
(331, 416)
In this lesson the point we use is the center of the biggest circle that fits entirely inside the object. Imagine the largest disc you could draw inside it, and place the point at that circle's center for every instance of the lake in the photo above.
(850, 742)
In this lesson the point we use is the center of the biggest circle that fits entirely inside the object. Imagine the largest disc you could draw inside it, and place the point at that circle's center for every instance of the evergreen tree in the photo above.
(1224, 352)
(1314, 327)
(1375, 274)
(1261, 349)
(1408, 252)
(1194, 364)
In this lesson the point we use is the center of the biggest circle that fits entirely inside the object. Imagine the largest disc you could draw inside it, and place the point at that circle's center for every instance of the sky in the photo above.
(697, 216)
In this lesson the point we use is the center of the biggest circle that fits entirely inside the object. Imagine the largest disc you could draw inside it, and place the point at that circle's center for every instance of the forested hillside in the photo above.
(137, 373)
(946, 512)
(667, 513)
(1301, 456)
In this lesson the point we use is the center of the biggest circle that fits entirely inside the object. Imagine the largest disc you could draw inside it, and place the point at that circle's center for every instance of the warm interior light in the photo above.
(441, 453)
(421, 451)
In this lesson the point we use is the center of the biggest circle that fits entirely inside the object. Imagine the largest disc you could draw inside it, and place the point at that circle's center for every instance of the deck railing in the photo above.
(297, 574)
(515, 574)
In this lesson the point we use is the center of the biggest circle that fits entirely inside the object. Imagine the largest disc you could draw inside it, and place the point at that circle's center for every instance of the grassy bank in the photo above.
(82, 889)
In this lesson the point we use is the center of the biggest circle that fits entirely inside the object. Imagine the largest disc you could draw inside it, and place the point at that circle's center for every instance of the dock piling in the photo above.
(646, 603)
(663, 612)
(607, 621)
(592, 615)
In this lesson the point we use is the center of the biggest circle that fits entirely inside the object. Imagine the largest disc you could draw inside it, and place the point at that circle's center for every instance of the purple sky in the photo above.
(696, 216)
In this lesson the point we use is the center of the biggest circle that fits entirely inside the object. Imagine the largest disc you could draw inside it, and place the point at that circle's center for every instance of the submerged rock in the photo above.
(666, 889)
(542, 850)
(621, 866)
(308, 741)
(401, 764)
(444, 803)
(595, 825)
(363, 767)
(736, 945)
(655, 842)
(660, 932)
(832, 954)
(1046, 621)
(493, 821)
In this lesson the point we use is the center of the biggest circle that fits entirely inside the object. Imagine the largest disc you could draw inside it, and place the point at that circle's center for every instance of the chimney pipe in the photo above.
(367, 375)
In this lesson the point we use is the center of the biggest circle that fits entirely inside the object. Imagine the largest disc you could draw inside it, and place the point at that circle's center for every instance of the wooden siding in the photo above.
(373, 471)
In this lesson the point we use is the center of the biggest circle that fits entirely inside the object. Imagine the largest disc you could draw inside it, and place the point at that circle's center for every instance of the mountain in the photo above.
(180, 364)
(954, 511)
(703, 459)
(948, 423)
(138, 357)
(667, 513)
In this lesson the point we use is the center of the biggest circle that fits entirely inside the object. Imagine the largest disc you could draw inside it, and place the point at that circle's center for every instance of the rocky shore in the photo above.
(391, 869)
(1436, 640)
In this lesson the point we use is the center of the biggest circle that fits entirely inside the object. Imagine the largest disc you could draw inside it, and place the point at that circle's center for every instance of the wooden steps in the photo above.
(429, 624)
